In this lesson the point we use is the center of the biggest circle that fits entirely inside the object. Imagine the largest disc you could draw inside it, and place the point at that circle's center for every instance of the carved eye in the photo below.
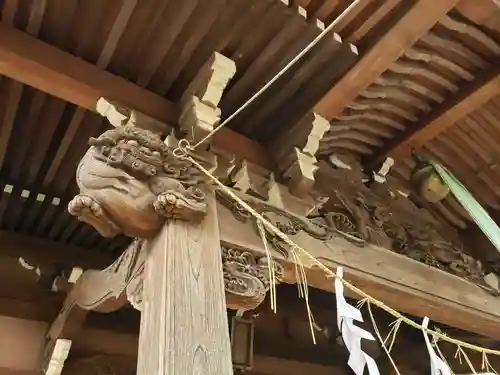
(132, 143)
(145, 150)
(135, 165)
(152, 171)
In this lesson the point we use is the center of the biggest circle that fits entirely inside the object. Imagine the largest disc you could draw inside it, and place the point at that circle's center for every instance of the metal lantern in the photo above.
(242, 333)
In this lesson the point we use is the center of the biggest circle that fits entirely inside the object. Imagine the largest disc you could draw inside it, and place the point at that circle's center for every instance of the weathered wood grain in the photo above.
(184, 321)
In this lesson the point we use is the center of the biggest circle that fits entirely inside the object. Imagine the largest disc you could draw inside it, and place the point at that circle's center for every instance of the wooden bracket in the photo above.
(250, 179)
(55, 356)
(199, 103)
(281, 197)
(295, 152)
(211, 81)
(198, 119)
(119, 115)
(225, 164)
(300, 174)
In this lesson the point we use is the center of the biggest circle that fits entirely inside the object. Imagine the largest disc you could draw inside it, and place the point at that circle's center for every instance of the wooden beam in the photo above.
(421, 17)
(400, 282)
(35, 63)
(22, 340)
(480, 12)
(470, 97)
(38, 251)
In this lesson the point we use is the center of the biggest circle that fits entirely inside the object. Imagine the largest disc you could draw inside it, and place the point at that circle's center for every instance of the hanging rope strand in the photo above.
(280, 73)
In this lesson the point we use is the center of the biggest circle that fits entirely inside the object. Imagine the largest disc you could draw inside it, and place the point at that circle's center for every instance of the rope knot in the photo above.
(183, 149)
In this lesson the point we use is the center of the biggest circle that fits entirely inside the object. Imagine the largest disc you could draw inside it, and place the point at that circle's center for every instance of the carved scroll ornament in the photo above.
(246, 278)
(130, 182)
(246, 281)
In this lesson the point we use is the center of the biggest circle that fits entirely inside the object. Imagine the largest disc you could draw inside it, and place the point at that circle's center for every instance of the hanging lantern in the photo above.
(427, 183)
(242, 333)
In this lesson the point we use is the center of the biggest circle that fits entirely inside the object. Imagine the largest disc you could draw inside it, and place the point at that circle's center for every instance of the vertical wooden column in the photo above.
(131, 183)
(184, 328)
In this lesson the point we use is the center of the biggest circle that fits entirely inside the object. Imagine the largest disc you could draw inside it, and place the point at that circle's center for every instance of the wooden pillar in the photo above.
(184, 328)
(131, 183)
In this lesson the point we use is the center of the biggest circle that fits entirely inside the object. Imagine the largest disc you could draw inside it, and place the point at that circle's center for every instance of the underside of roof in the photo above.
(385, 81)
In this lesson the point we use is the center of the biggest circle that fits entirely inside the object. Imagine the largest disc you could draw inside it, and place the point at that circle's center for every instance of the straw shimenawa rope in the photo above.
(182, 152)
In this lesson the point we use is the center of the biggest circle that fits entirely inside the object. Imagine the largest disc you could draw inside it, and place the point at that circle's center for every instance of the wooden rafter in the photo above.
(35, 63)
(421, 17)
(470, 97)
(119, 25)
(15, 90)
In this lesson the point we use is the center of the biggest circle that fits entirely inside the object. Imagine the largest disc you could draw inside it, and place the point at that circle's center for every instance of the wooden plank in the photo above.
(470, 97)
(415, 22)
(41, 251)
(480, 12)
(400, 282)
(183, 318)
(119, 25)
(35, 63)
(14, 90)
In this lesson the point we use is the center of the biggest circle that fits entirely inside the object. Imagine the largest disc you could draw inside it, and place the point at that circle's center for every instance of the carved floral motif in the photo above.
(130, 182)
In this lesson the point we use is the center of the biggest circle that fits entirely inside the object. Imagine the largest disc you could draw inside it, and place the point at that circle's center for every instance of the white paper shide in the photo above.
(352, 334)
(438, 366)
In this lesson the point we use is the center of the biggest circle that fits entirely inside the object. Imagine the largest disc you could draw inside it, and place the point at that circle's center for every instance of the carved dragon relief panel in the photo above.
(377, 214)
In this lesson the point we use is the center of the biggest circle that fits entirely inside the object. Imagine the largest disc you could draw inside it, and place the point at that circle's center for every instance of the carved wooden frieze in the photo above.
(130, 182)
(364, 212)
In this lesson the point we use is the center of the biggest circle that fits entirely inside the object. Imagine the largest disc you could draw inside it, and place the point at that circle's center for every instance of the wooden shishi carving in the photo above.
(130, 182)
